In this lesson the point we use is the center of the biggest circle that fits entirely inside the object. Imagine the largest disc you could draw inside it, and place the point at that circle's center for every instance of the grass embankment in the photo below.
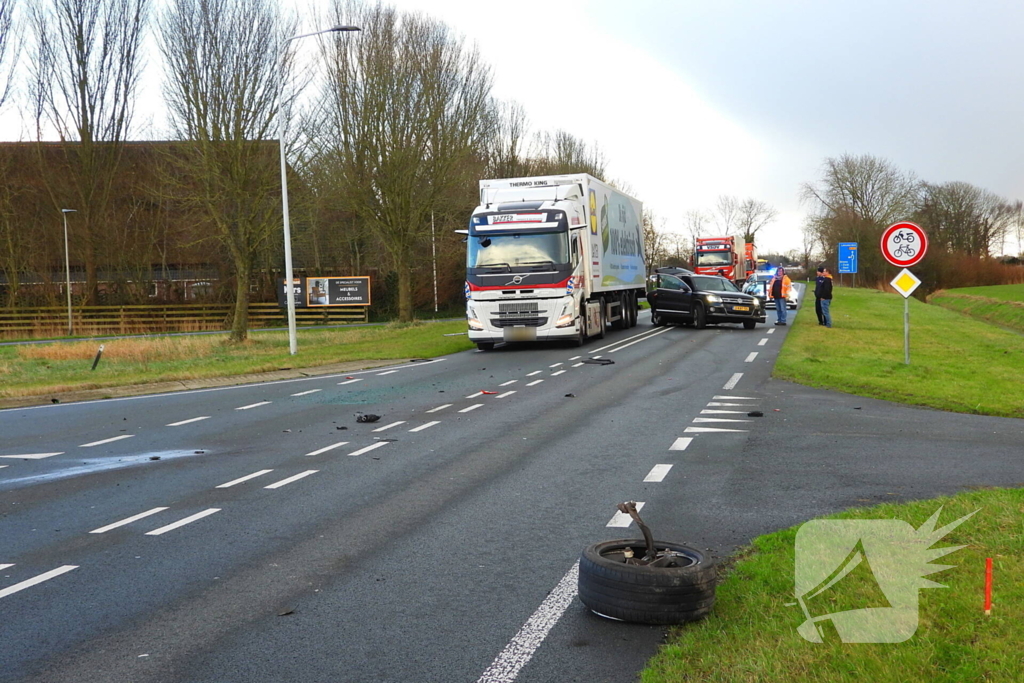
(51, 368)
(1000, 304)
(956, 363)
(751, 635)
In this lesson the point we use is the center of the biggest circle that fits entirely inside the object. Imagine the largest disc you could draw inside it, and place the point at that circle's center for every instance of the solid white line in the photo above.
(716, 419)
(370, 448)
(534, 383)
(473, 407)
(556, 374)
(479, 393)
(555, 365)
(735, 398)
(508, 383)
(681, 444)
(622, 520)
(32, 456)
(147, 513)
(723, 412)
(307, 393)
(521, 648)
(657, 473)
(763, 342)
(424, 426)
(616, 343)
(245, 478)
(708, 430)
(10, 590)
(284, 482)
(771, 331)
(185, 422)
(254, 405)
(733, 381)
(751, 357)
(351, 381)
(389, 372)
(3, 466)
(182, 522)
(576, 357)
(535, 372)
(440, 408)
(576, 365)
(5, 566)
(100, 443)
(386, 427)
(507, 393)
(667, 329)
(327, 448)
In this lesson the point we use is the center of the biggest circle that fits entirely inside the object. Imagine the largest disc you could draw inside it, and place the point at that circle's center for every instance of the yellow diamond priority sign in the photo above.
(905, 283)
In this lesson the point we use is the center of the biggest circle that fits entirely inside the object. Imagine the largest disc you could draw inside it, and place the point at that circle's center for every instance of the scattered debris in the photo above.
(777, 410)
(369, 417)
(599, 361)
(198, 452)
(570, 395)
(154, 457)
(755, 413)
(341, 427)
(421, 360)
(285, 612)
(856, 407)
(54, 400)
(287, 431)
(488, 393)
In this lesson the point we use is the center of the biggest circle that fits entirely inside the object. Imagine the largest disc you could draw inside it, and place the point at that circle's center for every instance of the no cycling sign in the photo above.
(904, 244)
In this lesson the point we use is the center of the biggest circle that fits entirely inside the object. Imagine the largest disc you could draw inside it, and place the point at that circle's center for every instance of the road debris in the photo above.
(598, 361)
(755, 413)
(369, 417)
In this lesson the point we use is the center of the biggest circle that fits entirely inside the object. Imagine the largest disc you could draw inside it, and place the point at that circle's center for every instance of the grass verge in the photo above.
(751, 635)
(1001, 304)
(52, 368)
(956, 363)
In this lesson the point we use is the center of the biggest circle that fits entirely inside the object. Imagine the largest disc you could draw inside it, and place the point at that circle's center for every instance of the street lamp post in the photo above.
(293, 343)
(67, 264)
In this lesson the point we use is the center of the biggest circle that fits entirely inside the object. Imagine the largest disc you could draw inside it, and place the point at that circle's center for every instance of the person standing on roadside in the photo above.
(823, 296)
(778, 288)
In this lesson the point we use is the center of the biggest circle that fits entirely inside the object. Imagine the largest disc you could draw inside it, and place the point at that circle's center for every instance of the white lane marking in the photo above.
(31, 456)
(575, 358)
(508, 383)
(479, 393)
(129, 520)
(389, 372)
(555, 365)
(351, 381)
(327, 448)
(185, 422)
(735, 398)
(723, 412)
(285, 482)
(616, 343)
(425, 426)
(182, 522)
(763, 342)
(307, 393)
(472, 407)
(370, 448)
(535, 372)
(521, 648)
(534, 382)
(576, 365)
(717, 404)
(596, 357)
(387, 427)
(733, 381)
(245, 478)
(667, 329)
(3, 466)
(621, 520)
(772, 331)
(10, 590)
(440, 408)
(657, 473)
(507, 393)
(5, 566)
(556, 374)
(254, 405)
(716, 419)
(681, 444)
(100, 443)
(708, 430)
(750, 357)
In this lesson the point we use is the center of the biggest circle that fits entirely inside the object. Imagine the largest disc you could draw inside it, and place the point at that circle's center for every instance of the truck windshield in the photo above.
(538, 249)
(714, 258)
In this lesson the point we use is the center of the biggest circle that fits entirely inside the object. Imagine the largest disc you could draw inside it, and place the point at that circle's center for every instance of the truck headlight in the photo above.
(475, 325)
(566, 317)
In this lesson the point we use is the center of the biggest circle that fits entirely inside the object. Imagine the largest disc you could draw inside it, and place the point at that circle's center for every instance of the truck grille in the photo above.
(528, 308)
(513, 322)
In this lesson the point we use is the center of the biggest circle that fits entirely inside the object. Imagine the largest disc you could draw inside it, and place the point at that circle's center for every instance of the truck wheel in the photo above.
(749, 324)
(645, 594)
(631, 307)
(582, 336)
(485, 346)
(700, 318)
(623, 322)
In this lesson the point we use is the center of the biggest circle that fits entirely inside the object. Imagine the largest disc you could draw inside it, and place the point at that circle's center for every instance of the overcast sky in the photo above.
(690, 100)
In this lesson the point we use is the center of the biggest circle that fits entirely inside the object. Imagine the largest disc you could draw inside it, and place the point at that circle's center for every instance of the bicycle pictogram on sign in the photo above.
(904, 244)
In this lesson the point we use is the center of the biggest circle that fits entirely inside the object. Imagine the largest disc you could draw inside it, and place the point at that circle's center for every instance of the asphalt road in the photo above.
(240, 534)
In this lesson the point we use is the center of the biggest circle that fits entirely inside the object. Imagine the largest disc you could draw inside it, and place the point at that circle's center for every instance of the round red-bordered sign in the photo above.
(904, 244)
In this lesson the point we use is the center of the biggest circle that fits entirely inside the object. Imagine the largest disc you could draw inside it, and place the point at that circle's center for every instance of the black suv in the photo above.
(700, 300)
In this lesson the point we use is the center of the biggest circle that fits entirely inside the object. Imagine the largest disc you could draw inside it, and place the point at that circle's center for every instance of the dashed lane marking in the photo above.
(31, 456)
(556, 374)
(751, 357)
(479, 393)
(387, 427)
(10, 590)
(472, 407)
(576, 358)
(129, 520)
(3, 466)
(716, 419)
(326, 448)
(735, 398)
(182, 522)
(508, 383)
(425, 426)
(718, 404)
(185, 422)
(254, 405)
(370, 448)
(771, 331)
(307, 393)
(507, 393)
(389, 372)
(440, 408)
(576, 365)
(100, 443)
(534, 383)
(723, 412)
(351, 381)
(733, 381)
(621, 520)
(763, 342)
(535, 372)
(555, 365)
(657, 473)
(711, 430)
(296, 477)
(5, 566)
(681, 444)
(245, 478)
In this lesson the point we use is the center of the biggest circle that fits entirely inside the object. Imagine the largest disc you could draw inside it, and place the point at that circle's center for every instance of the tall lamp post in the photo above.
(67, 264)
(293, 343)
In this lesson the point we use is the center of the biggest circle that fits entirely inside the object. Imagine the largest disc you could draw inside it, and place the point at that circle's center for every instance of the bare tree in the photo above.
(753, 215)
(655, 240)
(10, 46)
(965, 218)
(697, 224)
(727, 215)
(222, 92)
(86, 70)
(410, 110)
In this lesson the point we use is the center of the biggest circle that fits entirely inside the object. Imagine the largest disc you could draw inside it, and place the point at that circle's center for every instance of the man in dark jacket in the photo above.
(823, 296)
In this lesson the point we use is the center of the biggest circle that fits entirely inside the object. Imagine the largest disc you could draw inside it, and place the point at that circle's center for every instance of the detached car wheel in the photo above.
(679, 591)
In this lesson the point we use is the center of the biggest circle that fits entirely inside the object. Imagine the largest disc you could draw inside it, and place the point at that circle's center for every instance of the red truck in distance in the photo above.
(719, 256)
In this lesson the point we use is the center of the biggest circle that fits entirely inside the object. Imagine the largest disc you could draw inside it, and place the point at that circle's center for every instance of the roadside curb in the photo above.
(81, 395)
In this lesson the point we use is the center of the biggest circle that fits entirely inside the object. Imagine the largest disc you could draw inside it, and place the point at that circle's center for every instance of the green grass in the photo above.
(1001, 305)
(51, 368)
(751, 635)
(957, 363)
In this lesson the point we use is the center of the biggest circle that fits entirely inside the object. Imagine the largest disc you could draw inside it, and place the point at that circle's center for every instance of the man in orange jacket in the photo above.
(778, 289)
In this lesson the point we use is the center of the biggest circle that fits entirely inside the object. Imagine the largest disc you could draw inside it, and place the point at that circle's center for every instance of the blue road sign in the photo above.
(847, 257)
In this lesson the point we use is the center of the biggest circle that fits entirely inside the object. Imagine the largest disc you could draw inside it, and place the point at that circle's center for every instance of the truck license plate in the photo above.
(741, 308)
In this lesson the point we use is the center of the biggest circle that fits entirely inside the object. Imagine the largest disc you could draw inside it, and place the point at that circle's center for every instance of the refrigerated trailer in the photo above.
(552, 258)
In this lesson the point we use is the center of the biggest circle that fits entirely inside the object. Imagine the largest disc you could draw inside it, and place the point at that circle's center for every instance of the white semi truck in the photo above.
(552, 258)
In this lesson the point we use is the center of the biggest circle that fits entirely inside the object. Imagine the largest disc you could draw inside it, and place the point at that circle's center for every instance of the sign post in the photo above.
(848, 259)
(903, 245)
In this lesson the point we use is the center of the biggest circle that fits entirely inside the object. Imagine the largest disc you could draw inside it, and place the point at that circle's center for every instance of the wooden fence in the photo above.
(48, 322)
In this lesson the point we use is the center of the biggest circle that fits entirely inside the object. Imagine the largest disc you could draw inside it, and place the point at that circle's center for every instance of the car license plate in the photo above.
(741, 308)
